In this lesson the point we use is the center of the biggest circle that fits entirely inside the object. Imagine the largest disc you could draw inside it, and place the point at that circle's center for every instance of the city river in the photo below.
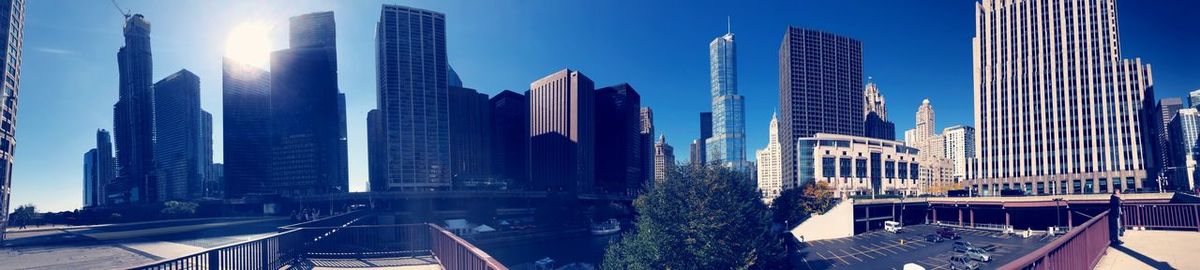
(585, 248)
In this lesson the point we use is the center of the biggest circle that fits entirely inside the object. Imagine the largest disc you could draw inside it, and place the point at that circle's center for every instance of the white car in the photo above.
(978, 254)
(892, 226)
(913, 266)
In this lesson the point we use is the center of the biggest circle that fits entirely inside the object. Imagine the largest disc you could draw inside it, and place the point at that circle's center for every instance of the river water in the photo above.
(585, 248)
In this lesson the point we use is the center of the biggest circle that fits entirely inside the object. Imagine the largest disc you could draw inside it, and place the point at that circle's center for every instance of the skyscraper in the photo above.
(343, 148)
(470, 137)
(618, 139)
(562, 132)
(1194, 98)
(727, 145)
(646, 116)
(412, 97)
(875, 123)
(1055, 105)
(13, 17)
(206, 154)
(699, 151)
(770, 178)
(1165, 111)
(936, 170)
(1183, 135)
(246, 95)
(959, 148)
(510, 138)
(91, 194)
(133, 116)
(179, 130)
(664, 159)
(820, 90)
(376, 153)
(304, 110)
(106, 167)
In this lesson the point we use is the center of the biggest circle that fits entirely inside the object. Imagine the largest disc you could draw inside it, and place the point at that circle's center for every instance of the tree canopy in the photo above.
(700, 217)
(796, 205)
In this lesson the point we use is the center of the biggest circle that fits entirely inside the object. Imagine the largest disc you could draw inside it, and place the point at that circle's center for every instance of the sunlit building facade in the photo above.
(856, 165)
(727, 145)
(770, 178)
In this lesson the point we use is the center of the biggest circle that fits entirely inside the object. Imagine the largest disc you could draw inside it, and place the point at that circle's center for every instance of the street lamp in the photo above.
(1057, 214)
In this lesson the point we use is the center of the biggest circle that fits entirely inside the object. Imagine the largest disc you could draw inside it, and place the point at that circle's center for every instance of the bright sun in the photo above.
(249, 44)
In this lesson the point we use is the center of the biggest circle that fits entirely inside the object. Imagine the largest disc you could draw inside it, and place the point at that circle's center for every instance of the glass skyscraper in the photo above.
(12, 17)
(133, 116)
(727, 146)
(246, 95)
(179, 144)
(413, 98)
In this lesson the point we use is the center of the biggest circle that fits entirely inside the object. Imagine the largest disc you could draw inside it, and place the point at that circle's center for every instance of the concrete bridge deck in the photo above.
(1153, 250)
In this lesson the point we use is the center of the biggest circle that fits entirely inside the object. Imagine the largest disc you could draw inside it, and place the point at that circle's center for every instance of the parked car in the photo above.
(947, 233)
(963, 246)
(913, 266)
(892, 226)
(978, 254)
(933, 238)
(962, 262)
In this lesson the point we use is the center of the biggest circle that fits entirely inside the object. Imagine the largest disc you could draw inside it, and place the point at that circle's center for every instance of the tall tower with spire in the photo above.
(727, 146)
(875, 123)
(770, 174)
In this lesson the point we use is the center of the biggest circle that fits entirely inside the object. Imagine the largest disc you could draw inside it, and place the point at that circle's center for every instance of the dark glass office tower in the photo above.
(90, 181)
(470, 138)
(133, 116)
(246, 95)
(510, 138)
(343, 149)
(178, 131)
(562, 130)
(12, 17)
(206, 154)
(304, 110)
(699, 152)
(820, 90)
(412, 97)
(107, 167)
(376, 153)
(618, 139)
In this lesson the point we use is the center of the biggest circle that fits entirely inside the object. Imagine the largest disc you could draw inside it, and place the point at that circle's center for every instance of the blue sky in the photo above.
(912, 49)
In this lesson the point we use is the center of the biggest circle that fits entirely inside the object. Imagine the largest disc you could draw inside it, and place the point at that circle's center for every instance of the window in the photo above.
(860, 168)
(844, 167)
(827, 167)
(903, 170)
(914, 171)
(1088, 187)
(1103, 185)
(889, 169)
(1076, 187)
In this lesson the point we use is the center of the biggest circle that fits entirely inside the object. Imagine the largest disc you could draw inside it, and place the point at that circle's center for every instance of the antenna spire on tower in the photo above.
(728, 24)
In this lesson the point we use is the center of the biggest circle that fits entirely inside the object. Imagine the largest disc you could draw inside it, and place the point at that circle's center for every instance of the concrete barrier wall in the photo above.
(838, 222)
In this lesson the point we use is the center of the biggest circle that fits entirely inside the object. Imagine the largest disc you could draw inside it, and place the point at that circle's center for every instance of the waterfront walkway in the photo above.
(1153, 250)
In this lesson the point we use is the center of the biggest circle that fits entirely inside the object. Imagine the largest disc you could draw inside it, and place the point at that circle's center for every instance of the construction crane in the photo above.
(119, 10)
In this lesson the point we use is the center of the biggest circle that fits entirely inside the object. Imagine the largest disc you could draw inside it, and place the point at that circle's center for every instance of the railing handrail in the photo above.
(226, 246)
(323, 219)
(1041, 252)
(491, 263)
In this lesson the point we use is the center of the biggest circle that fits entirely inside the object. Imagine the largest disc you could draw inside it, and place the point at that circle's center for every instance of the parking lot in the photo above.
(884, 250)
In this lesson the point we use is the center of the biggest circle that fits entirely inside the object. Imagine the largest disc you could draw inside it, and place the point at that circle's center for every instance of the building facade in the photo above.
(13, 15)
(699, 149)
(246, 101)
(90, 178)
(618, 131)
(727, 143)
(820, 90)
(959, 148)
(470, 138)
(510, 138)
(937, 172)
(1194, 98)
(1184, 130)
(133, 117)
(106, 165)
(179, 140)
(562, 132)
(770, 175)
(1068, 122)
(646, 116)
(1165, 109)
(875, 123)
(305, 135)
(413, 102)
(664, 159)
(856, 165)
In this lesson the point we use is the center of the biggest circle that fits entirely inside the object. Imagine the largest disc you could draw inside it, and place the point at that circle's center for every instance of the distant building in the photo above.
(1194, 98)
(854, 165)
(206, 154)
(510, 138)
(618, 139)
(770, 175)
(664, 159)
(106, 167)
(179, 139)
(91, 194)
(1046, 131)
(820, 90)
(562, 129)
(412, 96)
(727, 145)
(133, 117)
(246, 99)
(304, 110)
(875, 123)
(470, 138)
(376, 153)
(14, 23)
(1183, 135)
(699, 151)
(959, 148)
(937, 170)
(647, 123)
(216, 187)
(1165, 111)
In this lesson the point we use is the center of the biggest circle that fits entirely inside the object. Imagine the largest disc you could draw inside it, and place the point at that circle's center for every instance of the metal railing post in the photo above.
(214, 260)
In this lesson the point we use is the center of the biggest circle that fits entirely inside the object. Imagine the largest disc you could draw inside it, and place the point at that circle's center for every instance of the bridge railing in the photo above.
(1161, 216)
(1079, 248)
(270, 252)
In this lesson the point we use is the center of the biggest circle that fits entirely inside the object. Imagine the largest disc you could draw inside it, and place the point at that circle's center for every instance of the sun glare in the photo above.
(249, 44)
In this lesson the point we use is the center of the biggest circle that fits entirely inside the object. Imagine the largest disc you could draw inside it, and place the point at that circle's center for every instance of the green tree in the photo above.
(796, 205)
(179, 209)
(700, 217)
(23, 215)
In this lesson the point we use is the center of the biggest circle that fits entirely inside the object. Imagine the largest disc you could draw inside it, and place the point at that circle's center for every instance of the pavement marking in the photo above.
(876, 250)
(862, 253)
(885, 247)
(852, 256)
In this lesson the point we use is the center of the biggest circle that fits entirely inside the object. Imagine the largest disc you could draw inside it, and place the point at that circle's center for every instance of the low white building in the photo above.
(854, 165)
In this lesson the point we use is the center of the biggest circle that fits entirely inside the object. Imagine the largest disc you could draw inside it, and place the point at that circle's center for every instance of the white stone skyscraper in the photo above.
(959, 147)
(1056, 107)
(770, 175)
(664, 159)
(936, 169)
